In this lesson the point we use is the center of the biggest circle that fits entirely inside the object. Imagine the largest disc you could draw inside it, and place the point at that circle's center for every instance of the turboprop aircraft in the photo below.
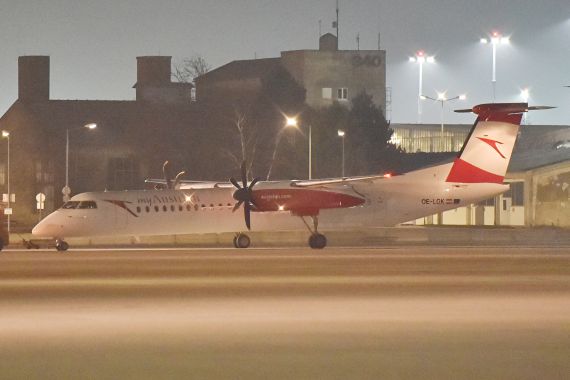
(316, 205)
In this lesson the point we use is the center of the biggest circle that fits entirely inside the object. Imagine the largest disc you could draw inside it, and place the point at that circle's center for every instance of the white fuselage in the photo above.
(388, 201)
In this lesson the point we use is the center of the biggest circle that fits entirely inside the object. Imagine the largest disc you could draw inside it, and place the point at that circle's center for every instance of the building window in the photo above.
(122, 173)
(44, 172)
(327, 93)
(342, 93)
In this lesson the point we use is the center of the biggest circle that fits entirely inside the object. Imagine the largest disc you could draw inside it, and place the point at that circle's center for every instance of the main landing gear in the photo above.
(316, 240)
(241, 240)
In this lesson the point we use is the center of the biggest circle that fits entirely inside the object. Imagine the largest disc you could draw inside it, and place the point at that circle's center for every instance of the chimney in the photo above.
(153, 71)
(328, 42)
(33, 78)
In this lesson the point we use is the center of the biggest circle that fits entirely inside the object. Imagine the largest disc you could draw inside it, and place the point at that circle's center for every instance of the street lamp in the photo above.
(6, 135)
(67, 190)
(293, 122)
(420, 58)
(341, 134)
(442, 98)
(495, 40)
(289, 122)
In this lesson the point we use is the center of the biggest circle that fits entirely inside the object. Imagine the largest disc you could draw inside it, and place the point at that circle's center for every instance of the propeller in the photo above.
(244, 195)
(168, 180)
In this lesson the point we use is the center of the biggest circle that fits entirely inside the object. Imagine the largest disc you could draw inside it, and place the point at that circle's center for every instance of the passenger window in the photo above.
(180, 208)
(196, 207)
(172, 208)
(147, 209)
(188, 207)
(164, 208)
(156, 208)
(138, 210)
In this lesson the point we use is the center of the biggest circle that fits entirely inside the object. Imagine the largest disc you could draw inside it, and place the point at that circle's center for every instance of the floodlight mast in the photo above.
(420, 58)
(495, 39)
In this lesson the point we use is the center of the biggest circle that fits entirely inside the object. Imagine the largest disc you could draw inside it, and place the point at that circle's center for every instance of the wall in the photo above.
(363, 70)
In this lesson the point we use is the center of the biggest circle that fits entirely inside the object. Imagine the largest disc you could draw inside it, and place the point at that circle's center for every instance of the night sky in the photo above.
(93, 44)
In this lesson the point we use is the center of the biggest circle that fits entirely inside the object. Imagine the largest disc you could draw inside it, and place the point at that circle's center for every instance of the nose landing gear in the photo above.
(61, 245)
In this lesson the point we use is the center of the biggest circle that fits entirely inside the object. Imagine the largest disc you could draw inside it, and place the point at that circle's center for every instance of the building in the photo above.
(539, 174)
(327, 74)
(114, 156)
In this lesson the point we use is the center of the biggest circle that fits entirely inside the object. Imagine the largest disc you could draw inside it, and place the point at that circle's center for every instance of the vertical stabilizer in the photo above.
(486, 154)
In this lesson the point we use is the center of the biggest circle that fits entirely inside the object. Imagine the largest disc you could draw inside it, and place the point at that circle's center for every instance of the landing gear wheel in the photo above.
(317, 241)
(241, 241)
(61, 245)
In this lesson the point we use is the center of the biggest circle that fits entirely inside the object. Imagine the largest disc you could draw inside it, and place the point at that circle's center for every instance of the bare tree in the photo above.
(190, 68)
(248, 139)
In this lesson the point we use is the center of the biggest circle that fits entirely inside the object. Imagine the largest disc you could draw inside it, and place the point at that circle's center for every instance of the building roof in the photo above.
(539, 146)
(243, 69)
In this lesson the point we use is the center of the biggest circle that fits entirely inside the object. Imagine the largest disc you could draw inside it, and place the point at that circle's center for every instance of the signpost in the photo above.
(40, 203)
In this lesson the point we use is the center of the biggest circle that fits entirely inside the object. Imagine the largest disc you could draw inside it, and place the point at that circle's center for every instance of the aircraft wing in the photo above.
(188, 184)
(337, 181)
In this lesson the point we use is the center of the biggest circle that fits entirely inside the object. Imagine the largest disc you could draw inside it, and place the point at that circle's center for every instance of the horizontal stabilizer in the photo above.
(505, 108)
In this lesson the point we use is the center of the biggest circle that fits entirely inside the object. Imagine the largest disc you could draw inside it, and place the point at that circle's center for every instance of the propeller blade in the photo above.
(166, 175)
(247, 215)
(244, 174)
(255, 180)
(236, 206)
(177, 179)
(235, 183)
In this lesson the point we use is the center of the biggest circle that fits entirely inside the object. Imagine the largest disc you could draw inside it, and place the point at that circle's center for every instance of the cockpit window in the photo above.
(87, 205)
(70, 205)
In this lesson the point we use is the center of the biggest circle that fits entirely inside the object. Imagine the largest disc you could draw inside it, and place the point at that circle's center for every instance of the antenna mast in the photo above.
(337, 25)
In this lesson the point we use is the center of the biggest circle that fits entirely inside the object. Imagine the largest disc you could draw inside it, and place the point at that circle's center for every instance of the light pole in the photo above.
(293, 122)
(6, 135)
(289, 122)
(420, 58)
(341, 134)
(442, 98)
(67, 190)
(495, 40)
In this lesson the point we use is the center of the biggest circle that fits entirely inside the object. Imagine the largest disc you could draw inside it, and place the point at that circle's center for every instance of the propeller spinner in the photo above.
(244, 195)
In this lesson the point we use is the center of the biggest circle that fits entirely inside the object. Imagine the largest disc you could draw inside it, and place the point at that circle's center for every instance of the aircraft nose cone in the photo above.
(51, 226)
(42, 230)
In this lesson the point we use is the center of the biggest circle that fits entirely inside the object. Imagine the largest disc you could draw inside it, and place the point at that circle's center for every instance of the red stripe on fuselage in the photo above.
(464, 172)
(302, 201)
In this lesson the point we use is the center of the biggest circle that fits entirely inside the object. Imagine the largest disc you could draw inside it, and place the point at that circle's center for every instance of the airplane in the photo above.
(316, 205)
